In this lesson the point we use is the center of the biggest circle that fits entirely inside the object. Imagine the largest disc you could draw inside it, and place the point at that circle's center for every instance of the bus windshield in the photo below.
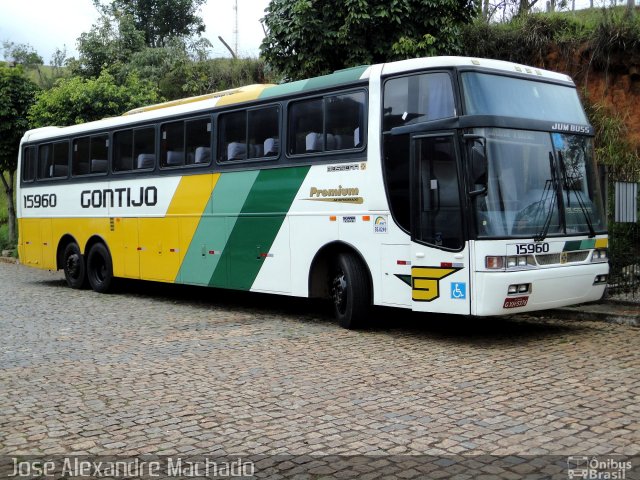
(539, 184)
(486, 94)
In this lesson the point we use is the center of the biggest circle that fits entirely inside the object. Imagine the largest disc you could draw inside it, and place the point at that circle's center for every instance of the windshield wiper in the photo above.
(581, 203)
(549, 186)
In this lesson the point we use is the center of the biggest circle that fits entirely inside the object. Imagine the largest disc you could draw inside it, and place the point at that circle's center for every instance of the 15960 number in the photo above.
(46, 200)
(525, 248)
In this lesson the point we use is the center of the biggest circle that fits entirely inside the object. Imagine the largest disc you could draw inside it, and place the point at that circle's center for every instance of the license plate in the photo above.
(515, 302)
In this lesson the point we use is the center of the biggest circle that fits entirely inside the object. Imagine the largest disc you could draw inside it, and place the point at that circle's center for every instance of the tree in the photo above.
(115, 44)
(17, 94)
(159, 20)
(107, 46)
(314, 37)
(22, 54)
(76, 100)
(525, 6)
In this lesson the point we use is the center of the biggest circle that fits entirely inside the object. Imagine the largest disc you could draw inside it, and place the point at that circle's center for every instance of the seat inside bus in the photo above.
(146, 160)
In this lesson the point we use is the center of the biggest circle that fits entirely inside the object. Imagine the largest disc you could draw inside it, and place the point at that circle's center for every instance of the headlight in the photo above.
(599, 255)
(499, 263)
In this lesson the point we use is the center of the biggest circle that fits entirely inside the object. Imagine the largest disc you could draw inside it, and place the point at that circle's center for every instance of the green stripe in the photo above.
(218, 219)
(339, 77)
(254, 231)
(578, 245)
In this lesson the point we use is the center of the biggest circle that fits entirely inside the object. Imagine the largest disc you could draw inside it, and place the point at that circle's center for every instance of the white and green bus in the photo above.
(446, 184)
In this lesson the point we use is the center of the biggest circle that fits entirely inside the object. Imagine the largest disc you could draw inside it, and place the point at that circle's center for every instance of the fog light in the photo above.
(523, 288)
(600, 279)
(512, 289)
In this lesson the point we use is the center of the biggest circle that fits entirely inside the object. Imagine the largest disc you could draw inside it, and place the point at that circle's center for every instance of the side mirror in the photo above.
(478, 165)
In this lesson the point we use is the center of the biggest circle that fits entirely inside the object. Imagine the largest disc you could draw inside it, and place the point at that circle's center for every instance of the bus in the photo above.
(446, 185)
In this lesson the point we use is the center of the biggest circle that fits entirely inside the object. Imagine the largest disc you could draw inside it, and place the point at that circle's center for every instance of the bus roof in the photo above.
(248, 93)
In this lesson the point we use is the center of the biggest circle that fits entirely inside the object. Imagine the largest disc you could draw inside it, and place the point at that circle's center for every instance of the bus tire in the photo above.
(100, 268)
(349, 291)
(75, 272)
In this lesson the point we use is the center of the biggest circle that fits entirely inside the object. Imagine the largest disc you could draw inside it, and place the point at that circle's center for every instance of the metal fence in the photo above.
(622, 186)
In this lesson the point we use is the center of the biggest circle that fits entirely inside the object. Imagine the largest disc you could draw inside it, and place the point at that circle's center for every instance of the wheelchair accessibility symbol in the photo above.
(458, 290)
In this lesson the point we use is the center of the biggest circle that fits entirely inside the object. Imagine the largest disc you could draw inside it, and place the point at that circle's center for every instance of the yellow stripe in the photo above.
(233, 92)
(424, 283)
(602, 243)
(165, 241)
(250, 92)
(433, 273)
(189, 203)
(192, 194)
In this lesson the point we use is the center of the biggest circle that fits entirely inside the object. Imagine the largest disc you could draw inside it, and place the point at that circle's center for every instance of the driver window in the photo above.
(440, 216)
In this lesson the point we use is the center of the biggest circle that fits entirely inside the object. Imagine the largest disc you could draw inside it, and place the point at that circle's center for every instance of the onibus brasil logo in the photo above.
(595, 468)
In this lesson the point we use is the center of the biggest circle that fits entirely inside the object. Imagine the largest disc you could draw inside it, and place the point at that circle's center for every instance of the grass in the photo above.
(4, 225)
(3, 206)
(608, 33)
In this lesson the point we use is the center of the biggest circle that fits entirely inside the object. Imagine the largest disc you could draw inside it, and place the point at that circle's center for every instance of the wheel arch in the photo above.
(93, 240)
(321, 263)
(65, 240)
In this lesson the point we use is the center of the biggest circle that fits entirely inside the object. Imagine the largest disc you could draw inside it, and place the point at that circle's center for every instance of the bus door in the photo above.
(440, 270)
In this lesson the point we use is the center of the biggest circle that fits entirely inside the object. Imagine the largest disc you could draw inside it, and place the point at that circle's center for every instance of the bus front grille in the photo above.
(562, 258)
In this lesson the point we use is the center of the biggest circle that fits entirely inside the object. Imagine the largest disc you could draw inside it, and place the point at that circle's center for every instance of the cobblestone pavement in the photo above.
(172, 370)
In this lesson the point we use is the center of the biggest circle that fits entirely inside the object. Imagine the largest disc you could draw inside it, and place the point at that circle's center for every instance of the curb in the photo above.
(610, 312)
(8, 260)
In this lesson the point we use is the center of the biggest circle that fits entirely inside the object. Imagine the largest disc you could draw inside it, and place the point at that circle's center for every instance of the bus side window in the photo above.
(198, 141)
(80, 162)
(144, 148)
(344, 117)
(45, 152)
(172, 144)
(60, 166)
(123, 151)
(134, 149)
(232, 143)
(29, 164)
(90, 155)
(326, 124)
(53, 160)
(264, 128)
(305, 123)
(99, 153)
(417, 98)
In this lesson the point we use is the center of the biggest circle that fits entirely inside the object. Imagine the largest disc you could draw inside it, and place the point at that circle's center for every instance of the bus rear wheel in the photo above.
(100, 268)
(349, 291)
(75, 272)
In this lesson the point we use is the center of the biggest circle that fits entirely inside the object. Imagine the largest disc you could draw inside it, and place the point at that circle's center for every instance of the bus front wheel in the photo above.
(349, 291)
(100, 268)
(74, 267)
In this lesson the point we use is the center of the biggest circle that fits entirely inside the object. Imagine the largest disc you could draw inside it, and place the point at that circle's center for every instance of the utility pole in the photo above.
(235, 30)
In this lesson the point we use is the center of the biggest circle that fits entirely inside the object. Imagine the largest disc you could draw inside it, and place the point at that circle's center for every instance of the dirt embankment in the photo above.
(614, 83)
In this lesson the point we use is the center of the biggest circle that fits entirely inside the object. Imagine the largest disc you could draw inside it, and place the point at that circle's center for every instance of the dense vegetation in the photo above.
(309, 38)
(597, 40)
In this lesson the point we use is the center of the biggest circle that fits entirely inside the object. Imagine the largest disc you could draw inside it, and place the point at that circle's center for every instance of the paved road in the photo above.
(171, 370)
